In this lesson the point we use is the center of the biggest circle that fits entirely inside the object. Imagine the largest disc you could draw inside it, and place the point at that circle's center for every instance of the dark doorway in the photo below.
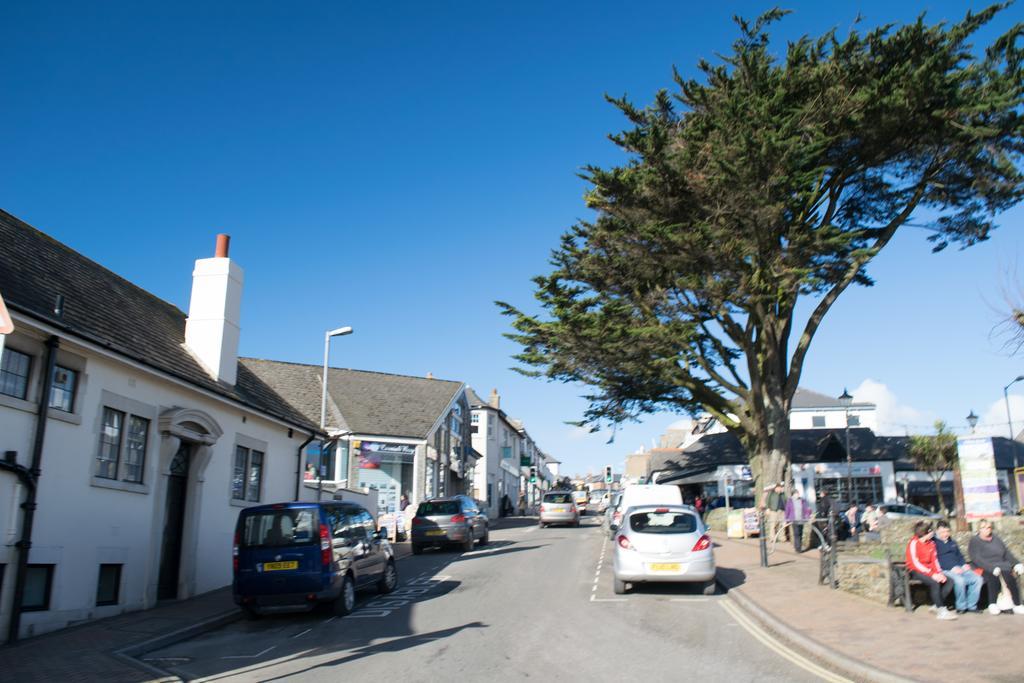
(174, 523)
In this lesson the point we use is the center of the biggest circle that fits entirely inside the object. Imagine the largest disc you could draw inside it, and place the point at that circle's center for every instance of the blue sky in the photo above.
(399, 166)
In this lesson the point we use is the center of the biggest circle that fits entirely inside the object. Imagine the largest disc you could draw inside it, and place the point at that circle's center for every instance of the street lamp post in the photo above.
(958, 483)
(845, 399)
(1006, 399)
(339, 332)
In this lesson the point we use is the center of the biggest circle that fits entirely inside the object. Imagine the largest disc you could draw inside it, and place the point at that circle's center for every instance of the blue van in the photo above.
(294, 556)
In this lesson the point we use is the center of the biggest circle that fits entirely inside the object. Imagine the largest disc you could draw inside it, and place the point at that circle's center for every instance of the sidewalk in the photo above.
(859, 638)
(104, 649)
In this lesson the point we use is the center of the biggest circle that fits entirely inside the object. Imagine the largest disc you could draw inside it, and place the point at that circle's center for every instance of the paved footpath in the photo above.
(848, 631)
(103, 649)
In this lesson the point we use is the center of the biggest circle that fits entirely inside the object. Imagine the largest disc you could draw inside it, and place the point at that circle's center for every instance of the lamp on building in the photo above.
(845, 399)
(972, 421)
(340, 332)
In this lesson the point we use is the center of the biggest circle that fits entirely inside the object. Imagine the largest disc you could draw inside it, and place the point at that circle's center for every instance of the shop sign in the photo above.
(372, 453)
(838, 470)
(978, 475)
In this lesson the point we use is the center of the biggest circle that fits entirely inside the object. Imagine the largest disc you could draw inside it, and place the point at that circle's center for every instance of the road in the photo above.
(534, 603)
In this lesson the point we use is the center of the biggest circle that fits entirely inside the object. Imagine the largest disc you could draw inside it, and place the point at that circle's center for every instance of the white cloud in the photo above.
(992, 421)
(894, 417)
(578, 433)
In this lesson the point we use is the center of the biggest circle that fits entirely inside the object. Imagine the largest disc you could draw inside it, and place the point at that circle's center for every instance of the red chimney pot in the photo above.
(223, 242)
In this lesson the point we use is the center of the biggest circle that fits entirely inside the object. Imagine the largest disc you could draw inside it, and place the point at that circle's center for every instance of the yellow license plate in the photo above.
(277, 566)
(562, 510)
(436, 532)
(665, 567)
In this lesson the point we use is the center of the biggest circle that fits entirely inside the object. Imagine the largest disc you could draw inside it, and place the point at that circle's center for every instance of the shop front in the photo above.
(387, 468)
(868, 482)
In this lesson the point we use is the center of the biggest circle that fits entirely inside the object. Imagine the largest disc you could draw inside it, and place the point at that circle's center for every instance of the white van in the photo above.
(644, 494)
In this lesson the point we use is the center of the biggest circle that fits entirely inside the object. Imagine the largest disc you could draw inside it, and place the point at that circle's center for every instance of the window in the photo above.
(110, 443)
(38, 582)
(854, 421)
(248, 474)
(108, 586)
(278, 528)
(14, 373)
(818, 421)
(474, 418)
(114, 444)
(62, 391)
(135, 449)
(669, 522)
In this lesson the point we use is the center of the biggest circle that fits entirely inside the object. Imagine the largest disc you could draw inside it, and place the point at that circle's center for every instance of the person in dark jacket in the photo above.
(998, 565)
(966, 584)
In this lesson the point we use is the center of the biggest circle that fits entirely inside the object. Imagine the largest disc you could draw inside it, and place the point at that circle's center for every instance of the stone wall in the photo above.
(861, 568)
(865, 576)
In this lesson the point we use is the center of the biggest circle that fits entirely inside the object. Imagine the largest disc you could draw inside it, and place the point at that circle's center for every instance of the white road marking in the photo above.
(330, 620)
(597, 599)
(689, 599)
(774, 645)
(299, 635)
(531, 530)
(258, 654)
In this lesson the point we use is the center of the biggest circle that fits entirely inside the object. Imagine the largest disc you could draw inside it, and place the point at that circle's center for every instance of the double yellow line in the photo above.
(777, 647)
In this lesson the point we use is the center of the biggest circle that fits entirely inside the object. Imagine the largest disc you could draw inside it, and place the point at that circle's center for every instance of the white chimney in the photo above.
(212, 328)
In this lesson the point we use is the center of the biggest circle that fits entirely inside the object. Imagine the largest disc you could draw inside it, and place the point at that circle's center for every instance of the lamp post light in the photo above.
(339, 332)
(958, 484)
(1006, 399)
(972, 421)
(845, 399)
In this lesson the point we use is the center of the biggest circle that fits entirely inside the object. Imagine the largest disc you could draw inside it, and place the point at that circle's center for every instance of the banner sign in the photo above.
(372, 453)
(978, 474)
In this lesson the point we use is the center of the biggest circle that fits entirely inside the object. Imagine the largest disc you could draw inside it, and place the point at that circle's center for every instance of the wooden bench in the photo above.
(901, 585)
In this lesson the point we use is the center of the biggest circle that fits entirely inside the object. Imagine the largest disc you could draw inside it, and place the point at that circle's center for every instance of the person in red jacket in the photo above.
(923, 564)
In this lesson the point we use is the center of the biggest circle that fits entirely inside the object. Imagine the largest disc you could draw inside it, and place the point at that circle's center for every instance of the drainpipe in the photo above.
(300, 473)
(32, 481)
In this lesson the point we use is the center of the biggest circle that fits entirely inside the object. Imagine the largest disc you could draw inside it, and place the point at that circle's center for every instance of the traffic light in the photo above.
(608, 474)
(533, 474)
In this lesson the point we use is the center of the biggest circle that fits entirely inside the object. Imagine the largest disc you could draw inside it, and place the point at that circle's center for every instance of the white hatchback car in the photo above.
(663, 543)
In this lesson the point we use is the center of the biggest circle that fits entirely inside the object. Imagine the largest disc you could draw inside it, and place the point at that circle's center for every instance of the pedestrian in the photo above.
(774, 505)
(403, 502)
(506, 505)
(922, 565)
(998, 565)
(850, 524)
(826, 509)
(798, 511)
(966, 584)
(698, 505)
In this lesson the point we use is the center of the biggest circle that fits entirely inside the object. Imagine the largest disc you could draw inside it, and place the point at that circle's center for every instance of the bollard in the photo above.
(763, 542)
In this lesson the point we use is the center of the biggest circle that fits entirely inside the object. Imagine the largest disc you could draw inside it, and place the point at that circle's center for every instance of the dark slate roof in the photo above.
(805, 398)
(107, 310)
(806, 445)
(372, 403)
(474, 399)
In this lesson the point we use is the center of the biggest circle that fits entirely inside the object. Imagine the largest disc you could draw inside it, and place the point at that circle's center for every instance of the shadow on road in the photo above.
(731, 578)
(392, 646)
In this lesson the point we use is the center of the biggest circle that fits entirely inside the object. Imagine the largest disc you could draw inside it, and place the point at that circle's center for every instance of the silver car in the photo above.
(457, 520)
(558, 508)
(663, 543)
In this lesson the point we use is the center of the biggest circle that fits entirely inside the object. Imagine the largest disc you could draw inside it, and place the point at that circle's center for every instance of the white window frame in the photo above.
(130, 408)
(250, 445)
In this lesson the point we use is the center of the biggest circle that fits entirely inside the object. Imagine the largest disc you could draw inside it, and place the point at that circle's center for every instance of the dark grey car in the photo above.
(456, 520)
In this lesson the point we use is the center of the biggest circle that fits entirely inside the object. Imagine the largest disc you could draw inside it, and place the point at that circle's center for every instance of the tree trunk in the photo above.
(937, 480)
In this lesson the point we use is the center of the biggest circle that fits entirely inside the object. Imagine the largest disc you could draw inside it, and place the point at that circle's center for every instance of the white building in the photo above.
(507, 454)
(153, 436)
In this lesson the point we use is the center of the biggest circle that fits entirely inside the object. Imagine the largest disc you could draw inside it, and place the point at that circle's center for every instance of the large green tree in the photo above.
(770, 181)
(935, 454)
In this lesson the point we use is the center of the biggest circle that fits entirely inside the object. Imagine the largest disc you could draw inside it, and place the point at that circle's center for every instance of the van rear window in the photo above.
(438, 507)
(674, 522)
(277, 528)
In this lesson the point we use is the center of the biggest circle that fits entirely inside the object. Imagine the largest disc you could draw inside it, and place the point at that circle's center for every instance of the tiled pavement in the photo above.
(975, 647)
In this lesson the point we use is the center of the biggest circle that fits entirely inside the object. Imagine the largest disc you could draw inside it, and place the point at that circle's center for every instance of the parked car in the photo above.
(580, 499)
(663, 543)
(293, 556)
(602, 503)
(643, 494)
(558, 508)
(896, 510)
(456, 520)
